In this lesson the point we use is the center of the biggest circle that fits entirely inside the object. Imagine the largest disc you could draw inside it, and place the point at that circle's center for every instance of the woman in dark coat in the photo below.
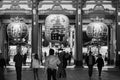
(100, 64)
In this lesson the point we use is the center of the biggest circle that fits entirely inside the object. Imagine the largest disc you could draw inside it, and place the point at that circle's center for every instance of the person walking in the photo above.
(100, 64)
(18, 59)
(60, 66)
(90, 60)
(70, 57)
(51, 65)
(35, 66)
(2, 66)
(24, 59)
(63, 57)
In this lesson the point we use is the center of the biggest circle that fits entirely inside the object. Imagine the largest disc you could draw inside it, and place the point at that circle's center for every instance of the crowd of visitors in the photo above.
(55, 64)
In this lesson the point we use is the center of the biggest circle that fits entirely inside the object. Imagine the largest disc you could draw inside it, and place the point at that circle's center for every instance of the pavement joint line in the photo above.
(68, 67)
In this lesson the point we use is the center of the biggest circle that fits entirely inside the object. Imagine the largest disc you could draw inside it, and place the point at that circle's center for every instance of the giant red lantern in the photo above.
(56, 27)
(97, 30)
(17, 29)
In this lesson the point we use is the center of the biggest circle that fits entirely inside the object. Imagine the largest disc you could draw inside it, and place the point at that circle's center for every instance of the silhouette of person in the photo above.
(70, 57)
(100, 64)
(90, 60)
(2, 66)
(51, 65)
(61, 68)
(18, 59)
(24, 58)
(41, 58)
(35, 66)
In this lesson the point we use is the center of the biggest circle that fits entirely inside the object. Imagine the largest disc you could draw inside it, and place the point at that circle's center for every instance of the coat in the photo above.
(100, 62)
(87, 60)
(18, 59)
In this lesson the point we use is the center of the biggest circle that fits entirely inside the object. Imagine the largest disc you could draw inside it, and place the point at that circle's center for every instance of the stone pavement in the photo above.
(72, 74)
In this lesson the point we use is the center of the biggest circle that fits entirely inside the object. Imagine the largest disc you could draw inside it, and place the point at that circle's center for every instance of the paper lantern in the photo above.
(56, 27)
(17, 30)
(97, 30)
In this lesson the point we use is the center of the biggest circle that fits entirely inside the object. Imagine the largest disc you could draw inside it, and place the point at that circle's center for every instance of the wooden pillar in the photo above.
(40, 41)
(108, 44)
(112, 47)
(2, 29)
(117, 35)
(78, 36)
(35, 26)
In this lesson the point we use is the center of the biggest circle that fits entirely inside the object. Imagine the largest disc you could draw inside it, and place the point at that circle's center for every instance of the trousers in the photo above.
(2, 74)
(18, 72)
(99, 70)
(90, 71)
(51, 74)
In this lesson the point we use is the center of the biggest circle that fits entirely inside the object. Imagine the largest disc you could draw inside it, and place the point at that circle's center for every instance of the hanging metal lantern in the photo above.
(97, 30)
(17, 29)
(56, 27)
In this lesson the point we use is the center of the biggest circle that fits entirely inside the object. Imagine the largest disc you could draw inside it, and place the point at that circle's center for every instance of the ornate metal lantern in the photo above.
(56, 27)
(17, 29)
(97, 30)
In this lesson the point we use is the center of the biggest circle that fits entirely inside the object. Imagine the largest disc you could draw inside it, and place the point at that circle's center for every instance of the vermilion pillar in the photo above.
(40, 41)
(117, 34)
(35, 26)
(78, 36)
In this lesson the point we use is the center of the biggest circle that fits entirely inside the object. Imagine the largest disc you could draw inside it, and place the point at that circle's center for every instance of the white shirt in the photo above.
(52, 62)
(35, 63)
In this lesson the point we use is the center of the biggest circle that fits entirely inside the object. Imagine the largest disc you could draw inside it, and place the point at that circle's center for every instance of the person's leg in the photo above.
(1, 74)
(49, 74)
(37, 74)
(18, 73)
(54, 74)
(34, 73)
(90, 70)
(64, 73)
(99, 70)
(59, 73)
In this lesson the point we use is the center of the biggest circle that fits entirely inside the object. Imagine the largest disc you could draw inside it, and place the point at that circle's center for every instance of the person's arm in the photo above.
(102, 62)
(86, 60)
(94, 60)
(4, 62)
(46, 62)
(58, 61)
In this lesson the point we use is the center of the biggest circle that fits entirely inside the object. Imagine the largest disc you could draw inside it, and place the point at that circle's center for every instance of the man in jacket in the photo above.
(51, 65)
(18, 59)
(90, 60)
(100, 63)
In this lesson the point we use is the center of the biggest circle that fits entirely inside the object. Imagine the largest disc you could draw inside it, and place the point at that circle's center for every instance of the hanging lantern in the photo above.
(17, 29)
(56, 27)
(96, 30)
